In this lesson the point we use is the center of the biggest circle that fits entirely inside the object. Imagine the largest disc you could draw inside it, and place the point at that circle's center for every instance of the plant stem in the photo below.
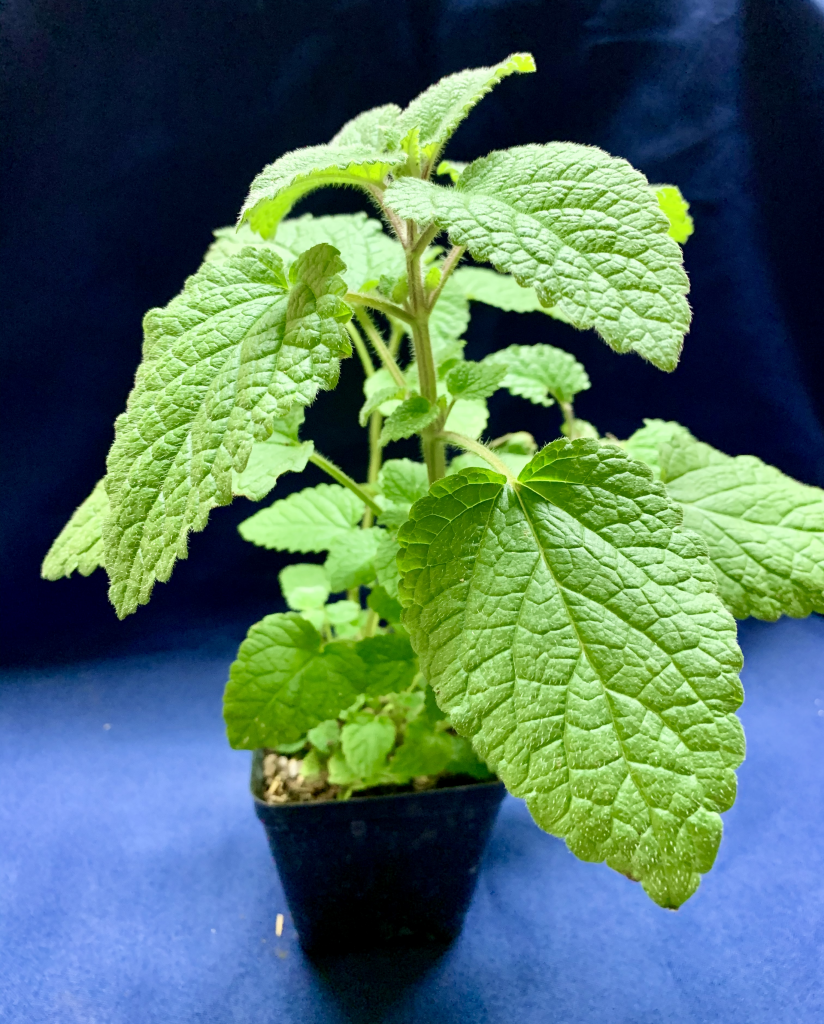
(379, 346)
(478, 449)
(361, 349)
(375, 456)
(433, 452)
(569, 418)
(387, 308)
(395, 339)
(343, 478)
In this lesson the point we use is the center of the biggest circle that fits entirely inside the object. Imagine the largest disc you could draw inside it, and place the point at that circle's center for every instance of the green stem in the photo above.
(433, 452)
(448, 265)
(569, 418)
(478, 449)
(343, 478)
(395, 339)
(379, 346)
(361, 349)
(387, 308)
(375, 456)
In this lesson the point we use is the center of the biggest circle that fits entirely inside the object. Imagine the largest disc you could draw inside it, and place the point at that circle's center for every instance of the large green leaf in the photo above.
(281, 184)
(285, 681)
(764, 531)
(234, 351)
(438, 111)
(280, 453)
(572, 629)
(309, 520)
(79, 545)
(581, 227)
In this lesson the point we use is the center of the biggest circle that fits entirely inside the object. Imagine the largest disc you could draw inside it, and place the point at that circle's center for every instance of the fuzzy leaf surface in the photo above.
(475, 380)
(403, 481)
(309, 520)
(571, 628)
(234, 351)
(764, 530)
(285, 681)
(410, 417)
(438, 111)
(79, 545)
(281, 184)
(581, 227)
(542, 374)
(280, 453)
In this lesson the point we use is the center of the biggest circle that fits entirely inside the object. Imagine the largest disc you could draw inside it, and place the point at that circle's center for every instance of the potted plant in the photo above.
(558, 618)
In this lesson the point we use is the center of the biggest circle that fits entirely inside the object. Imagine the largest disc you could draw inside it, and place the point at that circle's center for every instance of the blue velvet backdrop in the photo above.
(135, 127)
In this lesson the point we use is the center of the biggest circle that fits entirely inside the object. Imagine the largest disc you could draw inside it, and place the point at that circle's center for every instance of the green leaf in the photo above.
(381, 380)
(280, 453)
(645, 443)
(325, 735)
(500, 290)
(571, 628)
(536, 372)
(438, 111)
(468, 417)
(285, 681)
(402, 481)
(764, 531)
(79, 545)
(385, 606)
(366, 745)
(514, 463)
(304, 586)
(350, 559)
(465, 761)
(310, 765)
(377, 399)
(451, 169)
(675, 207)
(448, 322)
(423, 752)
(281, 184)
(475, 380)
(581, 227)
(343, 613)
(233, 352)
(389, 663)
(340, 774)
(386, 564)
(307, 521)
(579, 428)
(409, 418)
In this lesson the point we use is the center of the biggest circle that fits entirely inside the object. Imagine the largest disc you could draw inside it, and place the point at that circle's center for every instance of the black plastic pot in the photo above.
(380, 870)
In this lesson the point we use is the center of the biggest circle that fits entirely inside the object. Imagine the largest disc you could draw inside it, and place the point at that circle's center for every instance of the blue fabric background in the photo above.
(133, 127)
(136, 885)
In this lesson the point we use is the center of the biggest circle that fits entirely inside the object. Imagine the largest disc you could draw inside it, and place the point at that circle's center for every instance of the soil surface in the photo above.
(284, 784)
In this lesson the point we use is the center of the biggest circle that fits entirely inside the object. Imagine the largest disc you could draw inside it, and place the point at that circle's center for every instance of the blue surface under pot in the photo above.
(380, 870)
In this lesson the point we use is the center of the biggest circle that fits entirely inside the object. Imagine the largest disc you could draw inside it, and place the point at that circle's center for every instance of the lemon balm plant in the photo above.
(563, 617)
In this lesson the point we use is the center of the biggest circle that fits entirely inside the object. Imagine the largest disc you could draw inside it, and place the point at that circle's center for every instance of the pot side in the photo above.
(385, 870)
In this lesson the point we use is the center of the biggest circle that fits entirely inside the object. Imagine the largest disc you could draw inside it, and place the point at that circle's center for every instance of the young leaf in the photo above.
(377, 128)
(285, 681)
(514, 463)
(579, 428)
(280, 453)
(572, 629)
(468, 417)
(475, 380)
(438, 111)
(79, 545)
(389, 663)
(366, 745)
(423, 752)
(764, 531)
(281, 184)
(675, 207)
(235, 350)
(646, 442)
(350, 559)
(409, 418)
(451, 169)
(536, 372)
(386, 564)
(581, 227)
(480, 284)
(402, 481)
(377, 399)
(307, 521)
(325, 735)
(304, 586)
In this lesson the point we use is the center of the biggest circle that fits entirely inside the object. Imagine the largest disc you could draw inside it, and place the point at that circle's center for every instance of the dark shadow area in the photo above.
(366, 986)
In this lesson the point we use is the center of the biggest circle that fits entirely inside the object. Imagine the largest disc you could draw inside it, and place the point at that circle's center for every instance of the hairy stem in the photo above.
(361, 349)
(395, 339)
(433, 452)
(375, 456)
(478, 449)
(343, 478)
(387, 308)
(569, 418)
(448, 265)
(379, 346)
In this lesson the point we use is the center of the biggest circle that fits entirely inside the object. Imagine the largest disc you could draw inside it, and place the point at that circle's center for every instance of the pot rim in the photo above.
(377, 800)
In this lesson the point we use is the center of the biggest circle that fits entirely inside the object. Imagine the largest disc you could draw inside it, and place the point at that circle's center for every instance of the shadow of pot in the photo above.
(381, 870)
